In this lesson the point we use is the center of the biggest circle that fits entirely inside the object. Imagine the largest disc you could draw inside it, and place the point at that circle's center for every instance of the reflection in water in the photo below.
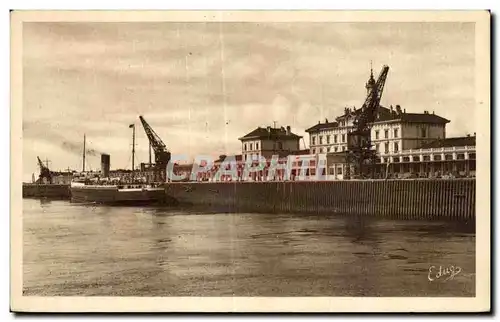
(44, 202)
(160, 234)
(358, 229)
(72, 249)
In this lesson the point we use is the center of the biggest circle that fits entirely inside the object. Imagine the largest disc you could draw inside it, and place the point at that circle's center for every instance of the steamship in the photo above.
(121, 193)
(106, 190)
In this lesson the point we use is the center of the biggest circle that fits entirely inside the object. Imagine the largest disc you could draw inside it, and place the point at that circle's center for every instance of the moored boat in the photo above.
(89, 192)
(105, 190)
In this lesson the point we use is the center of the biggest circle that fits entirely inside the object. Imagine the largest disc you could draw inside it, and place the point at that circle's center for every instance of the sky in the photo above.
(201, 86)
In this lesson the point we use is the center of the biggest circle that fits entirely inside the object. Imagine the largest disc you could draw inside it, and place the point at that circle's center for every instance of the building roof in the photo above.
(450, 142)
(237, 157)
(271, 133)
(384, 115)
(323, 126)
(425, 117)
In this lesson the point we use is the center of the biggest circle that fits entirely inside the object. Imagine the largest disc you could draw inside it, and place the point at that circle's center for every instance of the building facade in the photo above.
(408, 145)
(269, 141)
(394, 130)
(441, 158)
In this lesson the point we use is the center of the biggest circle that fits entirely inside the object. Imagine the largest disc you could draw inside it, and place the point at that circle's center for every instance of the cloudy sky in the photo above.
(203, 85)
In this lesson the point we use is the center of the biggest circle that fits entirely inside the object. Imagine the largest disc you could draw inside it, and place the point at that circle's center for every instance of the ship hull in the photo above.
(49, 191)
(112, 195)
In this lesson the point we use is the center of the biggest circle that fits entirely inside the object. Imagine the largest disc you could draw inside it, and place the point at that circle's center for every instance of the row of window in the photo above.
(377, 136)
(277, 146)
(251, 156)
(423, 133)
(427, 158)
(250, 146)
(331, 171)
(329, 149)
(313, 139)
(437, 157)
(386, 134)
(343, 148)
(386, 147)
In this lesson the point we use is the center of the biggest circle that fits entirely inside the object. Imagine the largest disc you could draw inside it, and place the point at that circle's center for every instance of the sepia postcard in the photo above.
(250, 161)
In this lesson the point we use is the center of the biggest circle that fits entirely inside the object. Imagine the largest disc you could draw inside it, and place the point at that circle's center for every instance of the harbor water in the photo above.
(87, 250)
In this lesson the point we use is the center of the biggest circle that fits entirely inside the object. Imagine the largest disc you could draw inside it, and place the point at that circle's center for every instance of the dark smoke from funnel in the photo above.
(52, 137)
(78, 148)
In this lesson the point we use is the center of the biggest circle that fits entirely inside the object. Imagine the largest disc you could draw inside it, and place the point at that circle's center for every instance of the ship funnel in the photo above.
(105, 165)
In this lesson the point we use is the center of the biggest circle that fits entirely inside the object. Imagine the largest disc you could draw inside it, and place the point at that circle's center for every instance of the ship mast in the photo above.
(83, 152)
(133, 147)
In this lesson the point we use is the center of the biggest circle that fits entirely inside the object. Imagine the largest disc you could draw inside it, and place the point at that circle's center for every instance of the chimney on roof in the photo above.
(288, 130)
(432, 112)
(474, 133)
(398, 109)
(404, 111)
(326, 120)
(269, 129)
(468, 135)
(391, 108)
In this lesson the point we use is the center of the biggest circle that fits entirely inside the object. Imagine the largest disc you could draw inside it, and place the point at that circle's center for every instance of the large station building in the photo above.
(407, 145)
(394, 130)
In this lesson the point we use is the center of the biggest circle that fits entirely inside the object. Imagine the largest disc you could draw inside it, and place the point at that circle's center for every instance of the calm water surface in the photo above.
(72, 249)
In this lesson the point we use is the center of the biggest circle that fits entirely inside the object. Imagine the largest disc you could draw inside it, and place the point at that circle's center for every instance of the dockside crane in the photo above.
(44, 172)
(360, 154)
(161, 153)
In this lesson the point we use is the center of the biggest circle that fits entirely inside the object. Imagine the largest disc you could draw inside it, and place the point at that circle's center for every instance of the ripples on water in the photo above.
(70, 249)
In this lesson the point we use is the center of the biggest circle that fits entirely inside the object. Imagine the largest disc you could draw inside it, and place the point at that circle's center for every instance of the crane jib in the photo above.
(372, 102)
(156, 142)
(360, 152)
(162, 155)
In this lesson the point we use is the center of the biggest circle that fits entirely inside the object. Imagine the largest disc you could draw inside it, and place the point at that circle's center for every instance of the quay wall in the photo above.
(452, 199)
(55, 191)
